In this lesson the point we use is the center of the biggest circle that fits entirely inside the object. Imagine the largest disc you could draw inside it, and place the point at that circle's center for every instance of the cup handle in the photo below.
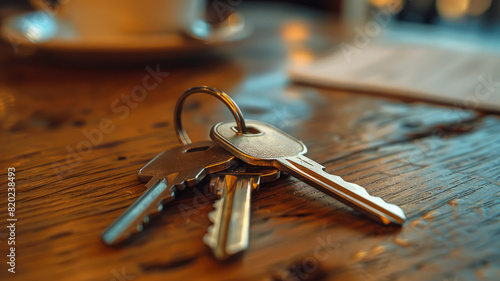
(203, 31)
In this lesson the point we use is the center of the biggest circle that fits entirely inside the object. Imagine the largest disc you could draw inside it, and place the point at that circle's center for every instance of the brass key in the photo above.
(229, 234)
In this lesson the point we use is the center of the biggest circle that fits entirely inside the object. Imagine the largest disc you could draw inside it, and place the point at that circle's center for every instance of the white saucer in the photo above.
(53, 35)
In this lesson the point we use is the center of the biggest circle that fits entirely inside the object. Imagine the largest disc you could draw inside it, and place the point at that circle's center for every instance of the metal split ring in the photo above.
(179, 129)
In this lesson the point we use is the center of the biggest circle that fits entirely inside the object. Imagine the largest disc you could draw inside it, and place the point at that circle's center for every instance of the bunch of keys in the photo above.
(241, 156)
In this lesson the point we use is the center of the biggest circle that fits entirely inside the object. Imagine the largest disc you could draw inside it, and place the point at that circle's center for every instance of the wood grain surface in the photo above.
(77, 137)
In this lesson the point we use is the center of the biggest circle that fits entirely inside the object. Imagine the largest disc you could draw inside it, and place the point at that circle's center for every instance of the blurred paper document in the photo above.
(465, 79)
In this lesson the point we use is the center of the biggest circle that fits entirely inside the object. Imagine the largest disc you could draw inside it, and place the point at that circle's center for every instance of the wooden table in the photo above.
(77, 137)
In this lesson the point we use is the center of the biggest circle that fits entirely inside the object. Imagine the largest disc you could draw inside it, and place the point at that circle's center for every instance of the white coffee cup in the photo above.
(108, 18)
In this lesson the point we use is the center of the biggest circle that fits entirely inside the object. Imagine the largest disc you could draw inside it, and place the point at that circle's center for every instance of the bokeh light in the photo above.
(295, 31)
(393, 6)
(478, 7)
(452, 9)
(301, 55)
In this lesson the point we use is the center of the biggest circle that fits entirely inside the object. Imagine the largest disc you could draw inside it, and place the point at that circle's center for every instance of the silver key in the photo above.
(268, 146)
(229, 234)
(169, 171)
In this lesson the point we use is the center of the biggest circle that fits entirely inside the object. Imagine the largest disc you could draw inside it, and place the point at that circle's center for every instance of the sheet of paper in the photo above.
(465, 79)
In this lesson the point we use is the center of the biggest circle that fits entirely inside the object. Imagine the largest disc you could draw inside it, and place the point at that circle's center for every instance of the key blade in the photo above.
(216, 236)
(215, 217)
(349, 193)
(231, 216)
(149, 203)
(240, 219)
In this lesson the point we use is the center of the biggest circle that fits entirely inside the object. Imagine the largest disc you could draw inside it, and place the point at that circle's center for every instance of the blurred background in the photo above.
(476, 18)
(468, 14)
(280, 34)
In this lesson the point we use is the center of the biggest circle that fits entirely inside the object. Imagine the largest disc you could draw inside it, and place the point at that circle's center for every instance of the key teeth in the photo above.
(139, 228)
(209, 238)
(385, 219)
(145, 220)
(149, 205)
(211, 216)
(216, 205)
(396, 210)
(314, 174)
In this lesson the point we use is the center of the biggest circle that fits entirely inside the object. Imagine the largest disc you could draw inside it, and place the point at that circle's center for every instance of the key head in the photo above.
(261, 146)
(265, 174)
(195, 158)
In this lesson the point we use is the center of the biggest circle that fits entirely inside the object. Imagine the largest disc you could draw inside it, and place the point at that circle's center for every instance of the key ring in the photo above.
(233, 107)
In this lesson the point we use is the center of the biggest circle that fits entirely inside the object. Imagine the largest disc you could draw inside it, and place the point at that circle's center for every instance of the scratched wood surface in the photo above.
(77, 138)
